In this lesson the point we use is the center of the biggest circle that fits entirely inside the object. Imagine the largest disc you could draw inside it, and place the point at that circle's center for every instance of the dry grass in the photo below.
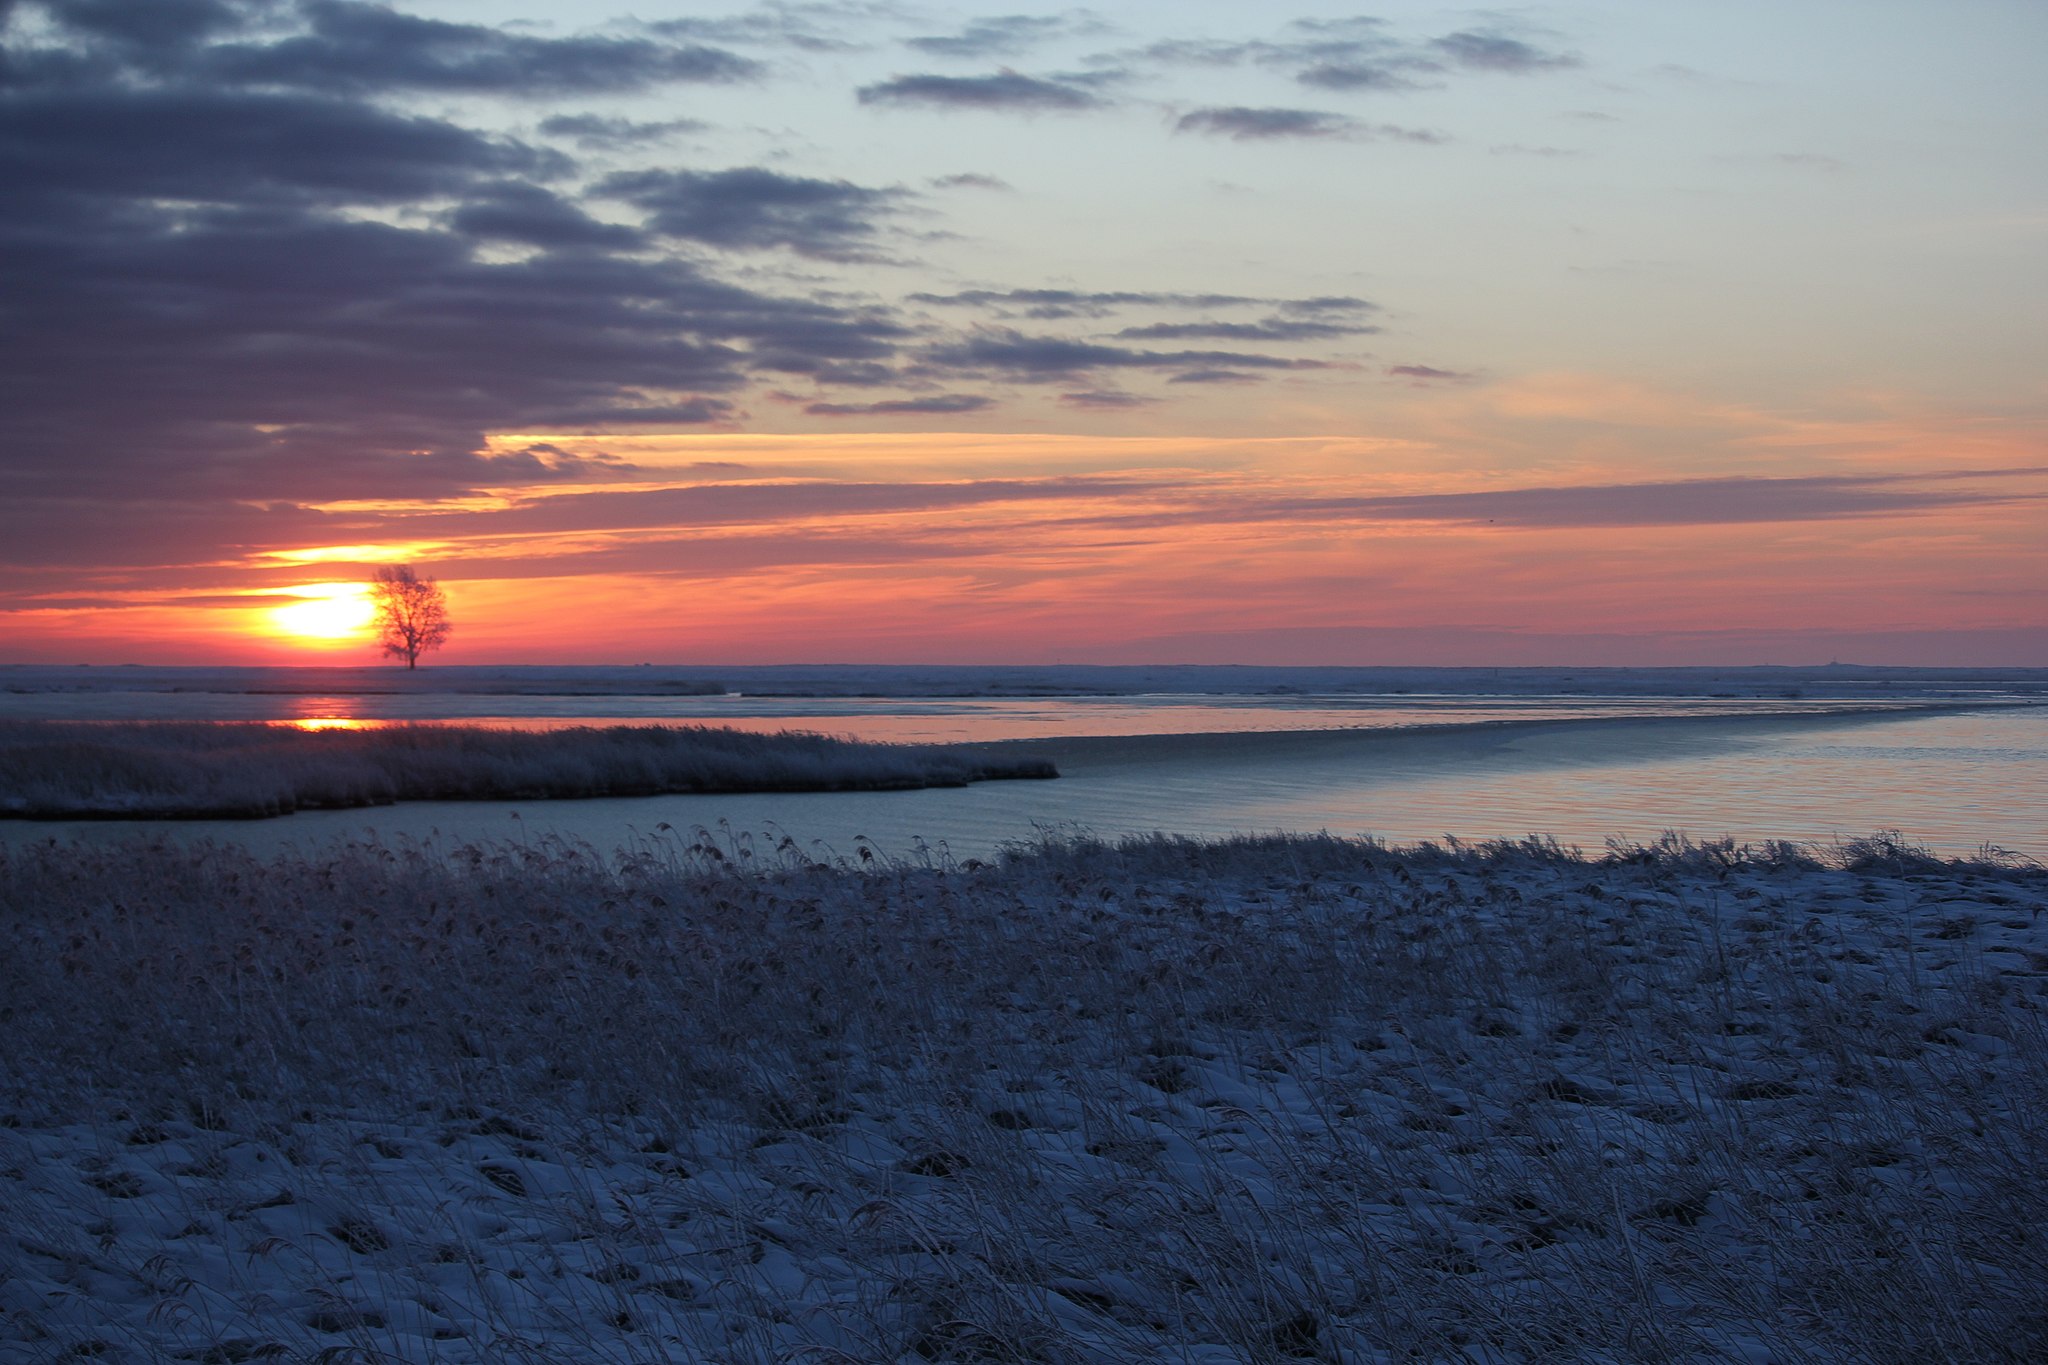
(1165, 1101)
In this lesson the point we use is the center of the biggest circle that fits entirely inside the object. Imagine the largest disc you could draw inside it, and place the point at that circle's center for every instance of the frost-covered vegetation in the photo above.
(1285, 1099)
(55, 771)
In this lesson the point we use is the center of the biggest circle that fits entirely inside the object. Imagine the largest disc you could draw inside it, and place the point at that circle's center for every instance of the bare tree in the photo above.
(412, 613)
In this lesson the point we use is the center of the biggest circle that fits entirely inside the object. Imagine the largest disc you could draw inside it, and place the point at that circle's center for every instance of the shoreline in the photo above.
(1019, 680)
(1786, 775)
(1083, 751)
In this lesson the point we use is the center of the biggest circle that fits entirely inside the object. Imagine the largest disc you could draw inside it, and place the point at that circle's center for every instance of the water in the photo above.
(889, 719)
(1597, 768)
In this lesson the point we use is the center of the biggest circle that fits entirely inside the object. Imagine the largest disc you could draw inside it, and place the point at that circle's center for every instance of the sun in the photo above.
(325, 611)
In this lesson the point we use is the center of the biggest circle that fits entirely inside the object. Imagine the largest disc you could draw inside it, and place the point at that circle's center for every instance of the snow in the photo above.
(1245, 1101)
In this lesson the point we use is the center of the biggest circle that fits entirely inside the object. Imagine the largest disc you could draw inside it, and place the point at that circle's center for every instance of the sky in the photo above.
(1659, 332)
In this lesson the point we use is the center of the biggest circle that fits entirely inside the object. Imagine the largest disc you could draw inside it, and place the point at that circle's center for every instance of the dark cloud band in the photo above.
(1005, 90)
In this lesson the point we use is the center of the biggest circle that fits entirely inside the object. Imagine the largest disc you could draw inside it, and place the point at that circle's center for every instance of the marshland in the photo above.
(1156, 1100)
(196, 770)
(776, 1077)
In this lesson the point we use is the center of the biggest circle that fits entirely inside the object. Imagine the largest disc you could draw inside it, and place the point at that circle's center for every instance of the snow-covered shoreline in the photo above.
(1297, 1098)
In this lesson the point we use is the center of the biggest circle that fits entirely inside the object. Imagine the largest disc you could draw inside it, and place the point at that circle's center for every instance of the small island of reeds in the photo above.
(74, 771)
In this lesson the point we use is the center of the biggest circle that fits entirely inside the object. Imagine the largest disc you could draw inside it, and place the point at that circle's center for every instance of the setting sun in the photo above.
(326, 611)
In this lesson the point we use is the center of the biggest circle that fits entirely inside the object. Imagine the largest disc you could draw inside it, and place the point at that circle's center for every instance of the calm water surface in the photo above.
(1953, 781)
(906, 720)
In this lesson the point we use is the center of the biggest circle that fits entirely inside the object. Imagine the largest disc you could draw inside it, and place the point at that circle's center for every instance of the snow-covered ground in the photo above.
(1165, 1101)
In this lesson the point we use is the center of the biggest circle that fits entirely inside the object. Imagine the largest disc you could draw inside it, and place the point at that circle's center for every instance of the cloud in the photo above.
(809, 26)
(1040, 358)
(343, 47)
(1484, 51)
(1328, 303)
(1695, 502)
(113, 141)
(1429, 374)
(158, 25)
(248, 273)
(1365, 46)
(750, 209)
(1001, 36)
(1005, 90)
(969, 180)
(516, 211)
(1396, 133)
(1728, 501)
(1262, 125)
(732, 554)
(1271, 329)
(1358, 75)
(1106, 400)
(938, 404)
(1076, 303)
(1214, 376)
(195, 351)
(355, 48)
(1246, 124)
(1688, 502)
(150, 543)
(1192, 52)
(739, 504)
(112, 533)
(866, 374)
(599, 132)
(199, 303)
(1354, 28)
(544, 460)
(1354, 55)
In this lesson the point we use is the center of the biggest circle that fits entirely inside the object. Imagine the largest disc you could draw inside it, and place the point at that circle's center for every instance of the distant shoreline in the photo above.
(1103, 750)
(1847, 682)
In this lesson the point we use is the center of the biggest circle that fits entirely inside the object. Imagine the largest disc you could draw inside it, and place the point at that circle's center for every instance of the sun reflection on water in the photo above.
(326, 713)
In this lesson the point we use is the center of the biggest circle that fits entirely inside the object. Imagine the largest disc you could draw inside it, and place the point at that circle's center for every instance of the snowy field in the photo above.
(59, 771)
(1253, 1101)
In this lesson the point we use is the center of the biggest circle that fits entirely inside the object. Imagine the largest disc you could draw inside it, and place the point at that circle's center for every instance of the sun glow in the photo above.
(325, 611)
(387, 553)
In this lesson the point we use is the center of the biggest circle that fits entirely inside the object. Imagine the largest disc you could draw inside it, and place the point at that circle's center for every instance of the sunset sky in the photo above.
(1657, 331)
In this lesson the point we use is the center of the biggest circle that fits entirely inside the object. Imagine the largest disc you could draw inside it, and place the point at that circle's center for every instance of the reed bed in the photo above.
(68, 771)
(722, 1099)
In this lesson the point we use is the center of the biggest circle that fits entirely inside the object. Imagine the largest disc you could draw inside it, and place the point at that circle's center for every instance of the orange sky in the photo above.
(1882, 532)
(1173, 332)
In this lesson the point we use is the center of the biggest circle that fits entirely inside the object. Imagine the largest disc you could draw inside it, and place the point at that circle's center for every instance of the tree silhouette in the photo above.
(412, 613)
